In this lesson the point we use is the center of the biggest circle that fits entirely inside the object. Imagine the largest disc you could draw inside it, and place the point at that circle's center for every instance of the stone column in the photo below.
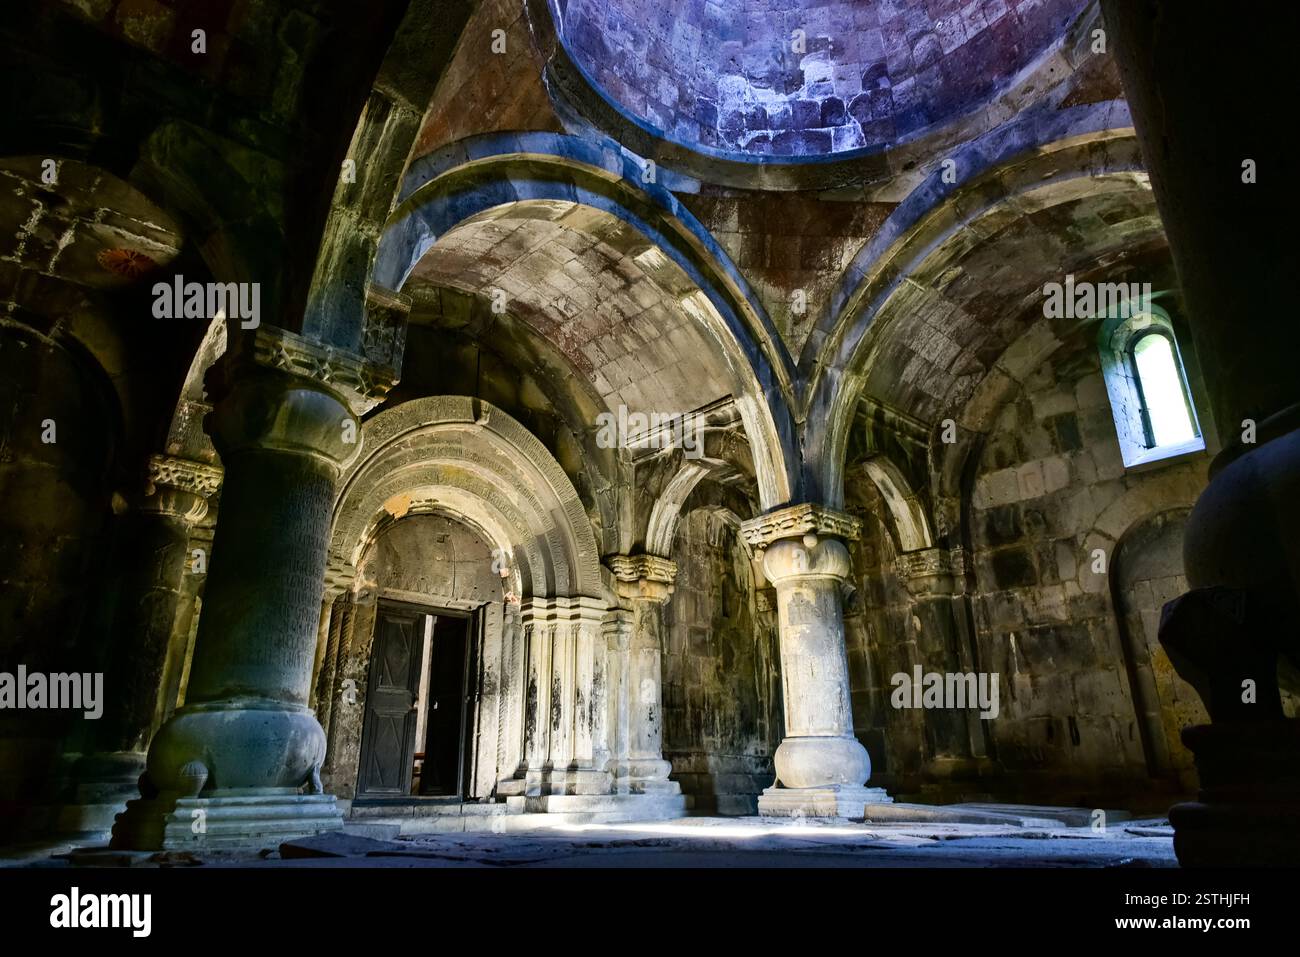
(153, 616)
(933, 578)
(1220, 173)
(339, 580)
(821, 766)
(566, 740)
(176, 672)
(635, 638)
(340, 707)
(227, 768)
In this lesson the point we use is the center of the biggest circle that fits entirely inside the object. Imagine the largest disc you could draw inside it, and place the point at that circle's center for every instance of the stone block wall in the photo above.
(1090, 707)
(1051, 509)
(721, 678)
(57, 449)
(793, 248)
(881, 633)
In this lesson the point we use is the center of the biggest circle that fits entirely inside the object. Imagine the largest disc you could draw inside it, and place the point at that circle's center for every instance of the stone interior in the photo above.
(706, 462)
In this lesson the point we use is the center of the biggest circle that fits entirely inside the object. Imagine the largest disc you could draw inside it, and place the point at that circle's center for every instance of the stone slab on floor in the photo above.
(334, 844)
(757, 842)
(950, 814)
(1069, 816)
(375, 831)
(736, 842)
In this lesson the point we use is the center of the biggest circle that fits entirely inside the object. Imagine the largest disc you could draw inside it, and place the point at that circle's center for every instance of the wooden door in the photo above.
(388, 734)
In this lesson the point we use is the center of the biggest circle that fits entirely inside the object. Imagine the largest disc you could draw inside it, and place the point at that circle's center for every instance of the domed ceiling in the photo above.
(805, 78)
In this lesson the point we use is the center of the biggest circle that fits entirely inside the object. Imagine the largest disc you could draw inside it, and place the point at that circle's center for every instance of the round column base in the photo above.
(822, 761)
(235, 744)
(252, 818)
(832, 801)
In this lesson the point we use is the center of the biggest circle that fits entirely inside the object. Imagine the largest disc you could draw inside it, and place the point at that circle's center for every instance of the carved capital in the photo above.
(279, 407)
(383, 338)
(800, 520)
(582, 611)
(618, 627)
(185, 474)
(179, 488)
(643, 577)
(930, 571)
(360, 382)
(787, 560)
(340, 577)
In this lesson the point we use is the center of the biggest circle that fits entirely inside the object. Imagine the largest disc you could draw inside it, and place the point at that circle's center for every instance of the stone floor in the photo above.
(694, 842)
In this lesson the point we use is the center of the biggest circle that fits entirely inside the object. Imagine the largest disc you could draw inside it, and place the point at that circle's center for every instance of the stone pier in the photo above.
(821, 766)
(635, 636)
(1235, 257)
(231, 766)
(150, 632)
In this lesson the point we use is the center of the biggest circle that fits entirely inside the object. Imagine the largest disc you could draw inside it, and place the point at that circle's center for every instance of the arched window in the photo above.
(1166, 414)
(1155, 417)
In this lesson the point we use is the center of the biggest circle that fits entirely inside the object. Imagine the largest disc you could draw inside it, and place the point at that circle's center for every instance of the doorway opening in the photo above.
(417, 736)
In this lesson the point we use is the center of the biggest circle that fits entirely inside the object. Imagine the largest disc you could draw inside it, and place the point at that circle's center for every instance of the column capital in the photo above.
(276, 394)
(793, 521)
(184, 474)
(930, 571)
(383, 336)
(359, 381)
(179, 487)
(340, 577)
(578, 610)
(643, 577)
(617, 628)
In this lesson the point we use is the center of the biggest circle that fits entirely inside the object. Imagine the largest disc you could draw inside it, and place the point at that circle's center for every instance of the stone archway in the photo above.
(543, 649)
(543, 175)
(477, 462)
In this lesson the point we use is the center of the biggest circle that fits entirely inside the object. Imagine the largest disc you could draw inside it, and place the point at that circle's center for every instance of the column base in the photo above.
(231, 819)
(1242, 835)
(102, 784)
(831, 801)
(648, 776)
(1248, 812)
(541, 782)
(604, 808)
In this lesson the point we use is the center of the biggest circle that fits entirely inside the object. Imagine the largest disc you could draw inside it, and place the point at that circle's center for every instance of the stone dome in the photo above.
(805, 78)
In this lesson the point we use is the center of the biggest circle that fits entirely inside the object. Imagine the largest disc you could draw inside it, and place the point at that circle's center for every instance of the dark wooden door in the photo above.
(388, 735)
(451, 699)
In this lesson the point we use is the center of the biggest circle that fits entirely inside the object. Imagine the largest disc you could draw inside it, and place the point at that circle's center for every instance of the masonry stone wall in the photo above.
(1050, 506)
(792, 247)
(1147, 572)
(56, 454)
(880, 642)
(721, 675)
